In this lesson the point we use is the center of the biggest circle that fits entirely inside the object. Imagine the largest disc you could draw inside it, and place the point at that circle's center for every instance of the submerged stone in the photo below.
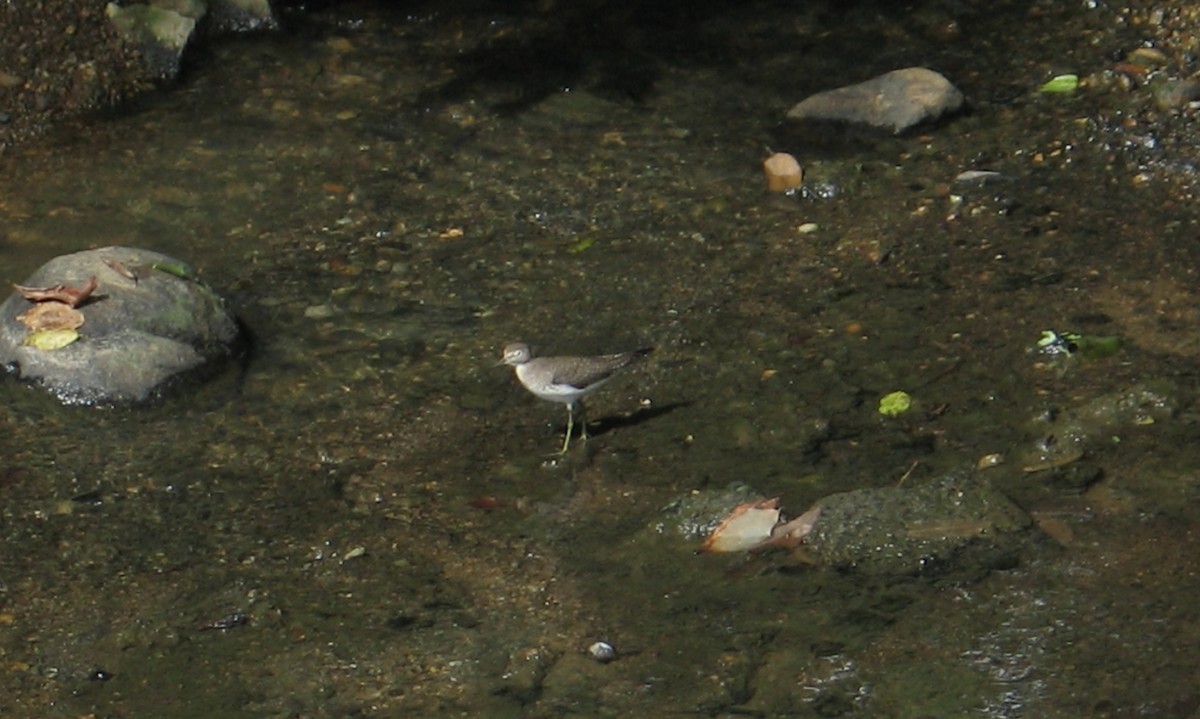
(894, 101)
(958, 524)
(1065, 436)
(148, 321)
(694, 516)
(1176, 94)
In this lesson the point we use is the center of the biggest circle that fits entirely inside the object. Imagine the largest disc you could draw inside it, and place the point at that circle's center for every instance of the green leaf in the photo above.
(1061, 83)
(895, 403)
(179, 269)
(582, 245)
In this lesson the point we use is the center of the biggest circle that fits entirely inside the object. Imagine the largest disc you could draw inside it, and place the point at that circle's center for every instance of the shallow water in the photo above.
(362, 520)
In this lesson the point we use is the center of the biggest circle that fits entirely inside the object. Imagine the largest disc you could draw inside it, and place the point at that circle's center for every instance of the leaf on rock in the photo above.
(746, 527)
(47, 340)
(121, 269)
(178, 269)
(754, 526)
(72, 296)
(791, 534)
(51, 316)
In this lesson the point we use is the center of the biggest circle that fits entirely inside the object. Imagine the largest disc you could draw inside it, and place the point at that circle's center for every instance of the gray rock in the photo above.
(895, 101)
(136, 336)
(957, 524)
(695, 515)
(162, 29)
(161, 33)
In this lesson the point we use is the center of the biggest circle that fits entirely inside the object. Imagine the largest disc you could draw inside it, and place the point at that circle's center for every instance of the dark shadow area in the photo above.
(617, 50)
(603, 425)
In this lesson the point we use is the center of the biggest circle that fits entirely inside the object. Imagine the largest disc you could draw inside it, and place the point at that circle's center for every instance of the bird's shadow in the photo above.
(604, 425)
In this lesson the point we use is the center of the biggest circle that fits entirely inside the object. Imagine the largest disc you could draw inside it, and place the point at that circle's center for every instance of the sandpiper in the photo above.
(567, 379)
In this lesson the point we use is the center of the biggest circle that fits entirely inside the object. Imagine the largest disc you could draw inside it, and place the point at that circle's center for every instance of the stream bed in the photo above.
(366, 517)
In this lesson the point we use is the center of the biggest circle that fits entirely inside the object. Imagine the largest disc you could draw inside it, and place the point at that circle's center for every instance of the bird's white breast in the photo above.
(541, 382)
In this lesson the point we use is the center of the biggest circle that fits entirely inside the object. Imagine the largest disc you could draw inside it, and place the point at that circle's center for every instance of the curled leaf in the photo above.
(757, 525)
(746, 527)
(48, 340)
(791, 534)
(73, 296)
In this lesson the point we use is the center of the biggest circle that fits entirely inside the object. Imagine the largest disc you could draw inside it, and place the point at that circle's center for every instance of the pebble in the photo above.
(1176, 94)
(602, 652)
(783, 172)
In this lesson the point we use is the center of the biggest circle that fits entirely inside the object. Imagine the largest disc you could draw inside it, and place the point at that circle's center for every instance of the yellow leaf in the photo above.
(47, 340)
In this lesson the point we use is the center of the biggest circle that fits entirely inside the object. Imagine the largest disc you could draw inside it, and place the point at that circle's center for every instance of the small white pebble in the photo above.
(602, 652)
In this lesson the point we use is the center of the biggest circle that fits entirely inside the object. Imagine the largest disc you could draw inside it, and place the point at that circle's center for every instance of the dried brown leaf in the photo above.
(121, 269)
(71, 296)
(755, 526)
(792, 533)
(51, 315)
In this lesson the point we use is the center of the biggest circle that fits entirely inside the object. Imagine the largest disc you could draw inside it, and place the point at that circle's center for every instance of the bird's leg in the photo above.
(570, 428)
(582, 420)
